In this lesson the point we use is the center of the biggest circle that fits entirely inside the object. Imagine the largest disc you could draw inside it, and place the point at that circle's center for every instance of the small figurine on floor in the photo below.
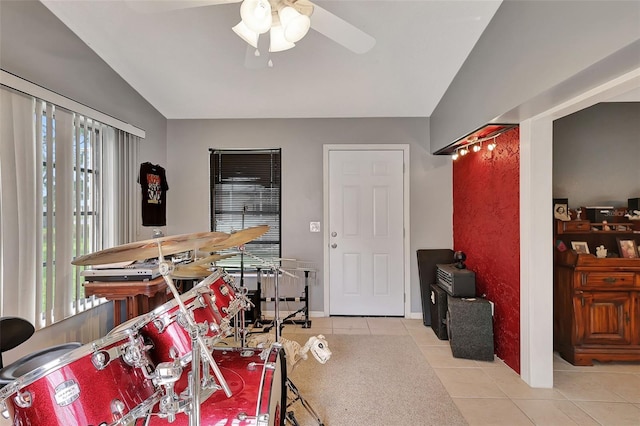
(295, 353)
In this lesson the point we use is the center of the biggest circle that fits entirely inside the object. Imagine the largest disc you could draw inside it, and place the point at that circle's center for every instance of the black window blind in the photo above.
(245, 192)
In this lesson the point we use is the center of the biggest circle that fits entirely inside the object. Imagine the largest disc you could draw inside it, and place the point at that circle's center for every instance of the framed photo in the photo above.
(561, 212)
(580, 246)
(628, 248)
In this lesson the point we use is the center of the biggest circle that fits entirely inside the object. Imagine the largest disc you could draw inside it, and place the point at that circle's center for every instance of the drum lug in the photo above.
(159, 324)
(117, 409)
(5, 410)
(132, 353)
(23, 399)
(200, 299)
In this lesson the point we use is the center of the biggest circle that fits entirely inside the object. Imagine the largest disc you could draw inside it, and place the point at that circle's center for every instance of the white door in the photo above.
(366, 256)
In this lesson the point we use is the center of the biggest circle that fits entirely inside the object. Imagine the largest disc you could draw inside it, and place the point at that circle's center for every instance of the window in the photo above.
(245, 192)
(71, 194)
(66, 179)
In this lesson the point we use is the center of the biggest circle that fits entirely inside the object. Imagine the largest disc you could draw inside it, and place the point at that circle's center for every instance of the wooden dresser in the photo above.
(596, 308)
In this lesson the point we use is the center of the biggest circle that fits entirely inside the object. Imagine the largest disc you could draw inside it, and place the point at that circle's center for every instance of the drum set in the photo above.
(167, 366)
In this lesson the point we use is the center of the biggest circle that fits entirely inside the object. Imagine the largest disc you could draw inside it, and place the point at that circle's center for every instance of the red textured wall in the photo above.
(486, 226)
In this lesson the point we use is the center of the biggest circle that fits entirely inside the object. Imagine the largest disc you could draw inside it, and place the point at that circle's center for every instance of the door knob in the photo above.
(334, 234)
(334, 245)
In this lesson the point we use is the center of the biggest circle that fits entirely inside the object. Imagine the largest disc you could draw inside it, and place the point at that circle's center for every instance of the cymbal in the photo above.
(238, 238)
(213, 258)
(190, 271)
(148, 249)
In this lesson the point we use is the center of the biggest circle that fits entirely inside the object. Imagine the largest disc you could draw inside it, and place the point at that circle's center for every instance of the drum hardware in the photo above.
(132, 352)
(298, 397)
(278, 324)
(167, 374)
(198, 348)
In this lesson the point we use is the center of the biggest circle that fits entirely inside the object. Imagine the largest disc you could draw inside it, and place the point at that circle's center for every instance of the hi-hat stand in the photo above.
(278, 324)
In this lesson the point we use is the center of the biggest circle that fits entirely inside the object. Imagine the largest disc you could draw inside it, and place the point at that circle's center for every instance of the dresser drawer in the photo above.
(574, 226)
(608, 279)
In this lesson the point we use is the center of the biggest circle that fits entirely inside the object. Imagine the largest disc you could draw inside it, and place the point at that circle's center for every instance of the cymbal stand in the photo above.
(198, 347)
(278, 325)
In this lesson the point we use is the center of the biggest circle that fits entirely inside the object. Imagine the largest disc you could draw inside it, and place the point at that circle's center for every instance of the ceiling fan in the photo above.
(270, 26)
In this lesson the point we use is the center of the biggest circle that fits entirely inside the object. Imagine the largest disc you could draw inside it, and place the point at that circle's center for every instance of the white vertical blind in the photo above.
(53, 173)
(17, 205)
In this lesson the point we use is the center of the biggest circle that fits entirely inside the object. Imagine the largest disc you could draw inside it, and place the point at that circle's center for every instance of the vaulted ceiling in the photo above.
(188, 63)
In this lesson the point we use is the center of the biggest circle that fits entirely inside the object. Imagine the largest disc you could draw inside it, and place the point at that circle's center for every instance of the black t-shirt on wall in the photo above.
(153, 180)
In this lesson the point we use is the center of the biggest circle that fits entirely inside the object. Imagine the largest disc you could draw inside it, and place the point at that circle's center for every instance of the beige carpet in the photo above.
(372, 380)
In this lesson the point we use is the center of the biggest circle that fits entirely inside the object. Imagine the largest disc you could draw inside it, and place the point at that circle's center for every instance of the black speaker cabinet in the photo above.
(438, 300)
(427, 261)
(470, 328)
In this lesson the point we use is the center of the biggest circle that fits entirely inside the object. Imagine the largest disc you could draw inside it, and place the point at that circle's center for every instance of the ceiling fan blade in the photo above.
(340, 31)
(158, 6)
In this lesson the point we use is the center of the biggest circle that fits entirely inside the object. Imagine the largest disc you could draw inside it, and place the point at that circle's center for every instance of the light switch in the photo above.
(314, 226)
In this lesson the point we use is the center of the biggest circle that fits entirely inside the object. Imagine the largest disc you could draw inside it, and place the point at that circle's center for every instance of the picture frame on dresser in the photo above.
(580, 247)
(628, 248)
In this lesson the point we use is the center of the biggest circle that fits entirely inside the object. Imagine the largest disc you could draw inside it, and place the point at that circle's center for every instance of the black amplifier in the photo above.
(456, 282)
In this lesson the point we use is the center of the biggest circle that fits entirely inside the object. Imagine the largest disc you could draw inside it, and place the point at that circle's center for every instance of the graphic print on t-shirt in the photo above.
(154, 189)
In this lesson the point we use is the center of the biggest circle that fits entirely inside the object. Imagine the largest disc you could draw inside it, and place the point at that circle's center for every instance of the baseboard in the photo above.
(312, 314)
(320, 314)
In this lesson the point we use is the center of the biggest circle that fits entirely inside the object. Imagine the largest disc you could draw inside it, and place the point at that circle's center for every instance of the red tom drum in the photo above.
(165, 328)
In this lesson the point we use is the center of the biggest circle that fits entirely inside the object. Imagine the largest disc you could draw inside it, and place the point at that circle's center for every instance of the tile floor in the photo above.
(491, 393)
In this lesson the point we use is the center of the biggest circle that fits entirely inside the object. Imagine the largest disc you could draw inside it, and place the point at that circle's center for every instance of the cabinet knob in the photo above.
(610, 280)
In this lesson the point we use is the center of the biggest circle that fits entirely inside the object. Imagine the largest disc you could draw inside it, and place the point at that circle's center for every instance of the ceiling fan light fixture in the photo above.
(278, 42)
(295, 24)
(251, 37)
(256, 15)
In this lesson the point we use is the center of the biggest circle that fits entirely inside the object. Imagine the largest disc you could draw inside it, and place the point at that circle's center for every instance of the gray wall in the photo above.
(536, 51)
(36, 46)
(596, 155)
(301, 141)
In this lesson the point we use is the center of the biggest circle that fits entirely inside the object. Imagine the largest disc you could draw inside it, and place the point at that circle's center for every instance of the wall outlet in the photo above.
(314, 226)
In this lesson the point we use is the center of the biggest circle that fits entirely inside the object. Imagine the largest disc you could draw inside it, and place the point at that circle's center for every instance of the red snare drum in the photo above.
(257, 387)
(165, 326)
(95, 384)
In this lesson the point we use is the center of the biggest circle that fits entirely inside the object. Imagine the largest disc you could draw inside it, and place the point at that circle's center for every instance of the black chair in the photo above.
(13, 332)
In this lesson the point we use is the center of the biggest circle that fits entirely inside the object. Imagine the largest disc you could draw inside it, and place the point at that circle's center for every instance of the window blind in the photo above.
(246, 192)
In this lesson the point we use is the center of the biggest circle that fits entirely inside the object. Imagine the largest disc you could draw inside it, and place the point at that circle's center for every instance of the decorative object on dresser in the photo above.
(580, 246)
(628, 248)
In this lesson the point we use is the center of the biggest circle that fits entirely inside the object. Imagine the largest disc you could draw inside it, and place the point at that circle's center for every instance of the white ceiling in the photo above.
(188, 63)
